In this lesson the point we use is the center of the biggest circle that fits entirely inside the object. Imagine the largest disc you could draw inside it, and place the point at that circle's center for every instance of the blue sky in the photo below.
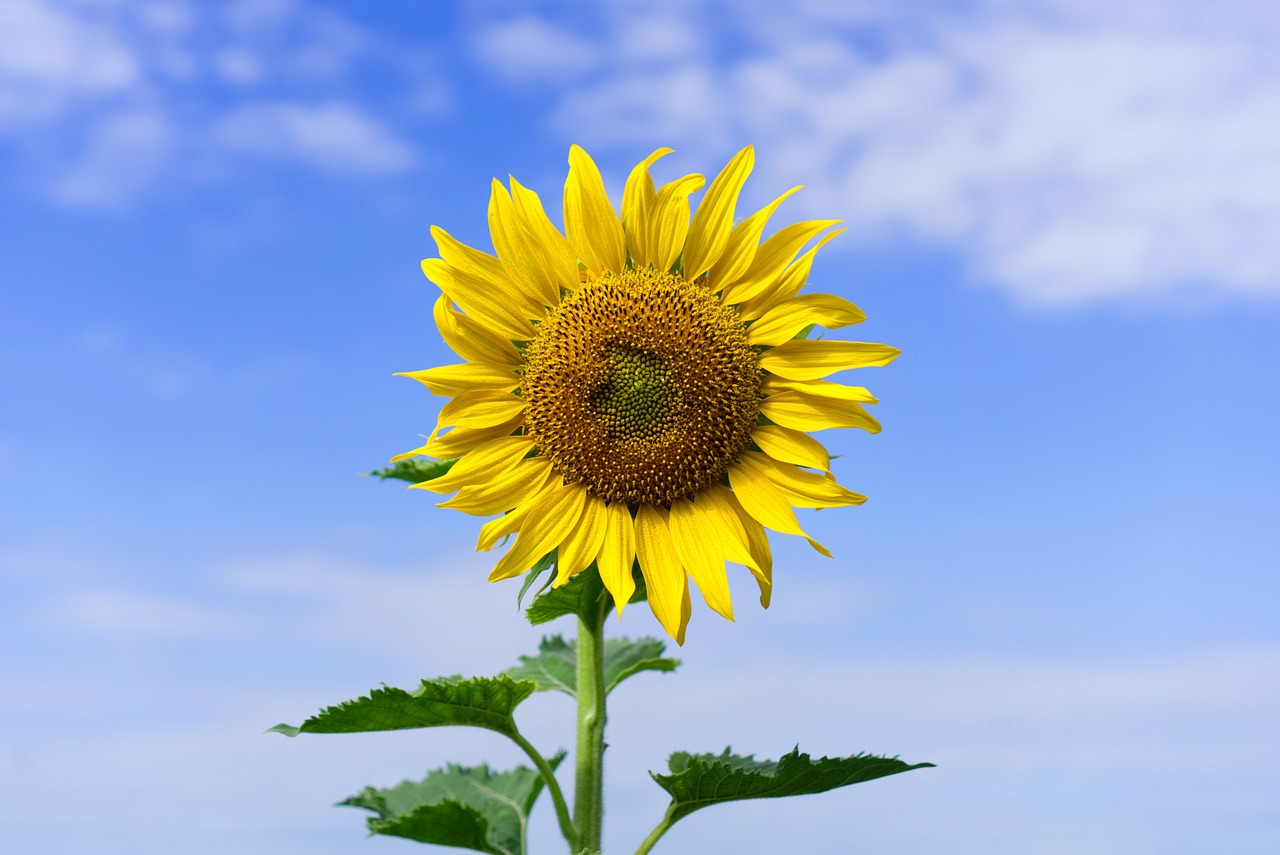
(1063, 588)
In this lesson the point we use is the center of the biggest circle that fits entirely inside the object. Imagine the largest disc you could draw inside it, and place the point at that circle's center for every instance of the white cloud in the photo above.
(238, 67)
(122, 157)
(112, 100)
(375, 609)
(122, 615)
(1067, 151)
(54, 57)
(333, 136)
(531, 50)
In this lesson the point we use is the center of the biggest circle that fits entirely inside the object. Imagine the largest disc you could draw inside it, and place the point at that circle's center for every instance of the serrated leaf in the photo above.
(486, 702)
(467, 807)
(415, 470)
(699, 780)
(556, 665)
(581, 595)
(625, 658)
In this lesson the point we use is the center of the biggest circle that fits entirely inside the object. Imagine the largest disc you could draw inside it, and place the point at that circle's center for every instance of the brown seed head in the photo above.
(642, 387)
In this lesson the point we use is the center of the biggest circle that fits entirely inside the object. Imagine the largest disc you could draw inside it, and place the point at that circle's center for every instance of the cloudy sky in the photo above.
(1063, 589)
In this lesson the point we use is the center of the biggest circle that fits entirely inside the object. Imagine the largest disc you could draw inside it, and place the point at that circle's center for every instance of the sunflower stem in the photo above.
(588, 795)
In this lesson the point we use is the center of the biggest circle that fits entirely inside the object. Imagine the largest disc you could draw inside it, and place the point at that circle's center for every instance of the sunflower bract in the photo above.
(631, 393)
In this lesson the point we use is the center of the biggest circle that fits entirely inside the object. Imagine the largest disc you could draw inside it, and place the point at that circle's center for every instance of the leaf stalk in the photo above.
(553, 786)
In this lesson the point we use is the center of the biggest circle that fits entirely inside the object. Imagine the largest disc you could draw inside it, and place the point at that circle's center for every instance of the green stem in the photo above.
(588, 794)
(659, 830)
(553, 786)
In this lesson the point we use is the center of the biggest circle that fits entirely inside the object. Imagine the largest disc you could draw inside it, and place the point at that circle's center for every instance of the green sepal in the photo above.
(584, 595)
(699, 780)
(544, 564)
(466, 807)
(486, 702)
(555, 667)
(415, 471)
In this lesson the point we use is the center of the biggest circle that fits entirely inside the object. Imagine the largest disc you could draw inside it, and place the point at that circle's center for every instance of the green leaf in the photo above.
(486, 702)
(698, 780)
(804, 333)
(544, 563)
(415, 470)
(556, 665)
(468, 807)
(580, 595)
(583, 595)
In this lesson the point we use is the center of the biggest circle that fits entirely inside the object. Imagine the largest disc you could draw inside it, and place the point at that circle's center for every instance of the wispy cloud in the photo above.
(56, 57)
(531, 50)
(123, 153)
(113, 101)
(333, 136)
(132, 615)
(1067, 151)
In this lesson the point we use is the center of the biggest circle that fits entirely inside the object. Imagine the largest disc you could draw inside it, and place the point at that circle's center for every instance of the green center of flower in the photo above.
(642, 387)
(635, 401)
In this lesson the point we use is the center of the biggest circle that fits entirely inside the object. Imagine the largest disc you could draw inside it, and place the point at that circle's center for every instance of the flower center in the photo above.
(642, 387)
(635, 401)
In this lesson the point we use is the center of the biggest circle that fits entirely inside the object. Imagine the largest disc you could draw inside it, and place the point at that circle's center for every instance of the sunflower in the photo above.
(637, 390)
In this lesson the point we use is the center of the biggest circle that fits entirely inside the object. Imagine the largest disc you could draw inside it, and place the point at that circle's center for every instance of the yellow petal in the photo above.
(762, 499)
(480, 264)
(590, 223)
(810, 360)
(482, 464)
(637, 202)
(486, 268)
(618, 554)
(557, 256)
(724, 527)
(487, 304)
(802, 489)
(453, 380)
(509, 523)
(686, 610)
(669, 221)
(772, 259)
(459, 441)
(518, 250)
(773, 384)
(813, 412)
(583, 543)
(740, 249)
(784, 321)
(480, 408)
(507, 489)
(697, 545)
(496, 529)
(787, 285)
(792, 446)
(709, 231)
(664, 576)
(420, 451)
(546, 527)
(757, 543)
(472, 340)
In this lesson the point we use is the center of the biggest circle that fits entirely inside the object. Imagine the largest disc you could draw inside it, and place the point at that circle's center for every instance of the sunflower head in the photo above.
(641, 386)
(640, 394)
